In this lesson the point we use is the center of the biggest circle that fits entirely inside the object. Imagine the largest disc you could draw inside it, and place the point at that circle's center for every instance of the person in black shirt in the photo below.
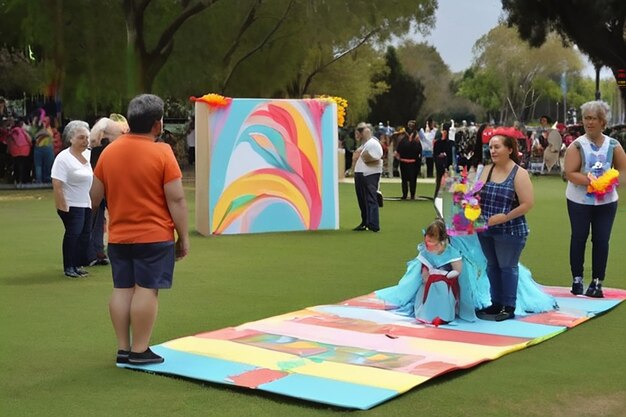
(409, 154)
(442, 151)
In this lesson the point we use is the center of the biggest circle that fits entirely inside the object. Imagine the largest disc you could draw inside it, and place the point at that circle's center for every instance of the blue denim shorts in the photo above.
(148, 265)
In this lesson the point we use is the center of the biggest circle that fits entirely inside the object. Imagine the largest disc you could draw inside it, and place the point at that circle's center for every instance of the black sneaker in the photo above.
(103, 261)
(577, 288)
(506, 313)
(71, 273)
(144, 358)
(360, 228)
(122, 356)
(595, 289)
(492, 309)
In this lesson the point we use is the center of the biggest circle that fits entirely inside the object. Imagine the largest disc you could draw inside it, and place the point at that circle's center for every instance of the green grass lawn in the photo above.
(57, 345)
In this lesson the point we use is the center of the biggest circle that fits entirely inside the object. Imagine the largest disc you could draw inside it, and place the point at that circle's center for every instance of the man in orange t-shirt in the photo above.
(142, 183)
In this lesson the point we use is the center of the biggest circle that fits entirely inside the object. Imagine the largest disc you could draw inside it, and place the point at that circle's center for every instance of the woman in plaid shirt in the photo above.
(505, 198)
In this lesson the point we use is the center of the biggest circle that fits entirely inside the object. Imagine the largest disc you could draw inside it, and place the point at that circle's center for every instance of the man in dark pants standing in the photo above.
(367, 171)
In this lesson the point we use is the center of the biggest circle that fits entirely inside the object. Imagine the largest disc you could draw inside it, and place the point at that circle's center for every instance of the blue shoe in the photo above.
(71, 273)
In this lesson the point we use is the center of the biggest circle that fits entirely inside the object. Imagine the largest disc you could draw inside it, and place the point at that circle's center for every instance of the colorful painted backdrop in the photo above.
(266, 166)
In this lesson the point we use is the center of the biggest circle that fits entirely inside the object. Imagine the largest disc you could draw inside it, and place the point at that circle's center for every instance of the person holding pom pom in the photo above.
(593, 163)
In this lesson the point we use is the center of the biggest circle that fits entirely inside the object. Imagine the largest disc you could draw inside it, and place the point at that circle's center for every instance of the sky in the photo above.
(460, 23)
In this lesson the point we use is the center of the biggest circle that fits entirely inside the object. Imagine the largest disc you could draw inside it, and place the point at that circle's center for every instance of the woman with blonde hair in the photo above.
(105, 131)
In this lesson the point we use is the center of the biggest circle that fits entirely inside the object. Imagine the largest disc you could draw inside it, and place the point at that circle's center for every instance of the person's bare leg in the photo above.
(143, 313)
(119, 309)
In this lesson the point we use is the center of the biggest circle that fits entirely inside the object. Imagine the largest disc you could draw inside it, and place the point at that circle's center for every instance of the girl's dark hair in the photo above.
(437, 230)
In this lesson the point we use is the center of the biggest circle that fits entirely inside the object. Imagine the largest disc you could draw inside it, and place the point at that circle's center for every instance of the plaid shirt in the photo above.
(498, 198)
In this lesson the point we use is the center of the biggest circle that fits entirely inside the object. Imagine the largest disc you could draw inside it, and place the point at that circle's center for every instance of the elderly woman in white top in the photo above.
(71, 180)
(592, 203)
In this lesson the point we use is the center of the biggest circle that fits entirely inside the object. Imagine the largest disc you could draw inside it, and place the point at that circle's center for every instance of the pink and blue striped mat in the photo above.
(356, 354)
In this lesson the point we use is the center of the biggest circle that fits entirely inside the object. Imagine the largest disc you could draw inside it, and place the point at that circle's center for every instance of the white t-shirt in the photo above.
(76, 178)
(427, 139)
(191, 138)
(371, 150)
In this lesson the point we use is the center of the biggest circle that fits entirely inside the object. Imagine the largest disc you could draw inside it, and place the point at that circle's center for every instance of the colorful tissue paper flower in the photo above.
(214, 101)
(472, 212)
(342, 105)
(463, 217)
(604, 184)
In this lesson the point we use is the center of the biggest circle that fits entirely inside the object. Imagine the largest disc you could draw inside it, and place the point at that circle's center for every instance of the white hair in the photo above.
(598, 108)
(72, 128)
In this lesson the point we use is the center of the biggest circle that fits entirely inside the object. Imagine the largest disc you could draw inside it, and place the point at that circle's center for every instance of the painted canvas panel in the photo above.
(266, 166)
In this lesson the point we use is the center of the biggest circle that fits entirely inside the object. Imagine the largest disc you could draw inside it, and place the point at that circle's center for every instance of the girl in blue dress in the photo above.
(437, 299)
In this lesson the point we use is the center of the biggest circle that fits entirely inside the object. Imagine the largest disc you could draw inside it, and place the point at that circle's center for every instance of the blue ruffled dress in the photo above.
(473, 282)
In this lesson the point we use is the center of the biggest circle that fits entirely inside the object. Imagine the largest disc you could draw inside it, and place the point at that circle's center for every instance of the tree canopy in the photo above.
(597, 28)
(98, 53)
(402, 101)
(508, 77)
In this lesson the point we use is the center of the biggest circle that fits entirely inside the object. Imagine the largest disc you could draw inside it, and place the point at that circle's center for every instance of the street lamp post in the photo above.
(557, 110)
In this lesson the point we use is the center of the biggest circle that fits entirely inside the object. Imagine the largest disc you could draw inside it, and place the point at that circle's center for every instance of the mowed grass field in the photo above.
(57, 346)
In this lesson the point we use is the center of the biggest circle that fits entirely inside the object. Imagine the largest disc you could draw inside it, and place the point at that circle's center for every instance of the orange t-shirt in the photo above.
(134, 170)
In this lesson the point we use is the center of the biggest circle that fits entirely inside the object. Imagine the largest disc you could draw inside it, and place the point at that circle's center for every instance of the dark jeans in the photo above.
(348, 160)
(21, 169)
(600, 219)
(77, 224)
(96, 241)
(430, 163)
(440, 173)
(44, 157)
(502, 253)
(408, 172)
(191, 155)
(366, 188)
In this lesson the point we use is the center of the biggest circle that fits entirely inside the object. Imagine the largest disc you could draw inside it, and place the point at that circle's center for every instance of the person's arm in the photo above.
(572, 165)
(619, 162)
(457, 266)
(96, 193)
(59, 198)
(175, 197)
(524, 190)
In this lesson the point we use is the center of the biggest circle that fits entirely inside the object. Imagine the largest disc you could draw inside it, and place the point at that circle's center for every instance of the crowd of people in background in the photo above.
(435, 147)
(28, 146)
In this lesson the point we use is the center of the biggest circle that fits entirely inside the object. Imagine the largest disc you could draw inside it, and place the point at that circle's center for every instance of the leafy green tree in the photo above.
(403, 99)
(99, 53)
(506, 70)
(18, 73)
(598, 27)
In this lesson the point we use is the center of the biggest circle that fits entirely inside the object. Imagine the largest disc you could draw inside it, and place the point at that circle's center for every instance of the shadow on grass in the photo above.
(40, 278)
